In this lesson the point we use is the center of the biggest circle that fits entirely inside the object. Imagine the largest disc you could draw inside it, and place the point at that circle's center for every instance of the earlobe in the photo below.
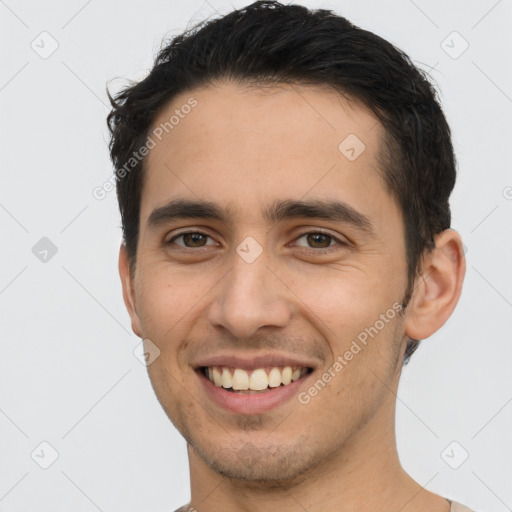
(128, 290)
(438, 288)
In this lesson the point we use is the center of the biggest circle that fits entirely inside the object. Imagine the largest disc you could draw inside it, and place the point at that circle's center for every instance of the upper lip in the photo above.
(245, 362)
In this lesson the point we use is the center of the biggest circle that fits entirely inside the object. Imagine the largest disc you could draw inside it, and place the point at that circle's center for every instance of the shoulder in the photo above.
(185, 508)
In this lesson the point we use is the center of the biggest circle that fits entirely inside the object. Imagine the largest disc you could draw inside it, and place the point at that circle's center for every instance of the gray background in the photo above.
(68, 374)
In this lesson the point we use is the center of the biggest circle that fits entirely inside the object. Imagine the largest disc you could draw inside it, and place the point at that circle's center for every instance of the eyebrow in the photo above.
(279, 210)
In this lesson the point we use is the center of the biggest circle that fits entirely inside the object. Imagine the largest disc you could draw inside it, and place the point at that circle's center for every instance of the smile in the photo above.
(259, 380)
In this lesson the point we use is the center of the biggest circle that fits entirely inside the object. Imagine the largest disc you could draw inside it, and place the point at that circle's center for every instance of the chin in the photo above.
(274, 465)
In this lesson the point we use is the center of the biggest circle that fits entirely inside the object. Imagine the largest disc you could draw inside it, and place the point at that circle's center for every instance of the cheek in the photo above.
(163, 297)
(342, 299)
(168, 305)
(159, 307)
(354, 313)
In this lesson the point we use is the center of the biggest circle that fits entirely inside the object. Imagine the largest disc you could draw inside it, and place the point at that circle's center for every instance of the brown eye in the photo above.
(319, 240)
(191, 239)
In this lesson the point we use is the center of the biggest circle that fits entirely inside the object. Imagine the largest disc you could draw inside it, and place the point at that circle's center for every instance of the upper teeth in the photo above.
(255, 380)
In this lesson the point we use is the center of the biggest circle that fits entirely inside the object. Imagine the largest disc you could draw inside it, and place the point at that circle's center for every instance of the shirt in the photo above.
(455, 507)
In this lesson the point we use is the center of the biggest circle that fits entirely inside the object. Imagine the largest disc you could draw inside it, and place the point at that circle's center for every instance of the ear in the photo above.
(128, 290)
(438, 288)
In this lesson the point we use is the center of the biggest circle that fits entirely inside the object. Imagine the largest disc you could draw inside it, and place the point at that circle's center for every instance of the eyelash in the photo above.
(304, 249)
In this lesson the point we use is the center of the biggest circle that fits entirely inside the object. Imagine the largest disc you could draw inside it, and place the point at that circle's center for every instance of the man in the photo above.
(283, 180)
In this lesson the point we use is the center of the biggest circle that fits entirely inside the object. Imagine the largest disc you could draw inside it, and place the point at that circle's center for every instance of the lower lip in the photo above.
(256, 403)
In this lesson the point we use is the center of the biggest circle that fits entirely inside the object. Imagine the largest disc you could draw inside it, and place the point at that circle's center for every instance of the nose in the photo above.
(249, 297)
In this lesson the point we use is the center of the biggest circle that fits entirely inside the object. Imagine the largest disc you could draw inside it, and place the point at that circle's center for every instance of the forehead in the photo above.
(247, 147)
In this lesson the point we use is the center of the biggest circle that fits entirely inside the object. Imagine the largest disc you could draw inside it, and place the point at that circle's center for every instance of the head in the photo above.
(270, 119)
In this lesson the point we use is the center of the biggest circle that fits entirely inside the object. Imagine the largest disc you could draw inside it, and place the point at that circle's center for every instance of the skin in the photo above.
(244, 148)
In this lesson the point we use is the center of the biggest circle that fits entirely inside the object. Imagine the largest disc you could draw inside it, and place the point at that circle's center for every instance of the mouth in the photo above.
(256, 381)
(253, 383)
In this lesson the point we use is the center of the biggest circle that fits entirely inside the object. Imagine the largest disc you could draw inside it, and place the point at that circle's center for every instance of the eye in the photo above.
(320, 241)
(191, 239)
(316, 241)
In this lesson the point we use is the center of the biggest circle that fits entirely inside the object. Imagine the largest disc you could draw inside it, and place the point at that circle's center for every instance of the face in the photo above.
(285, 277)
